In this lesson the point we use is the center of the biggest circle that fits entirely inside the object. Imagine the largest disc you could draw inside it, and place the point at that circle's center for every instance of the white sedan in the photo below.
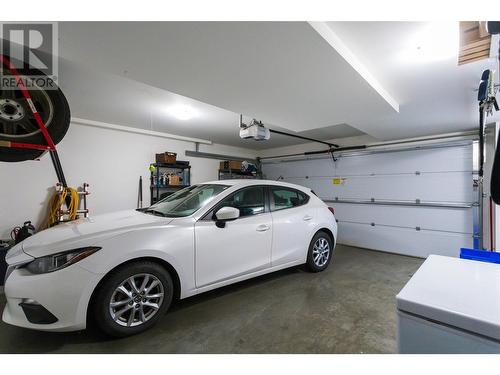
(123, 270)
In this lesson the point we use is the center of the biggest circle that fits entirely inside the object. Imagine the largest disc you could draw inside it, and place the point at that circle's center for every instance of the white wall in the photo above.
(110, 161)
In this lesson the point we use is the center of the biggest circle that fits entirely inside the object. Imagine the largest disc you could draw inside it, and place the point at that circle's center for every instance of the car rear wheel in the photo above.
(320, 252)
(133, 298)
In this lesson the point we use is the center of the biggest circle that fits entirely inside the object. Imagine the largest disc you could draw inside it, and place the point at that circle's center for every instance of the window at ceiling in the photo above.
(250, 201)
(474, 42)
(288, 198)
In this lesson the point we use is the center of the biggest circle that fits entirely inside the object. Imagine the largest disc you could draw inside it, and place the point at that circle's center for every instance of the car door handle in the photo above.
(307, 217)
(263, 228)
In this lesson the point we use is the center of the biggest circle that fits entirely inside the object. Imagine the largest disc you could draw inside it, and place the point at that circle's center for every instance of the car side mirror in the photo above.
(226, 214)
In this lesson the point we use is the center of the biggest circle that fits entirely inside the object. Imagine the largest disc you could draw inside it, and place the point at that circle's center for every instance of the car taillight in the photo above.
(332, 210)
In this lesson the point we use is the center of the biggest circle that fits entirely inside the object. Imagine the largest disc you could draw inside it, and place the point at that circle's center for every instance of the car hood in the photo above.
(88, 231)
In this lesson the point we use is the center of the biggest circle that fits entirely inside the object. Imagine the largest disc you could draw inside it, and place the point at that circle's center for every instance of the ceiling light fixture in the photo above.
(436, 41)
(182, 112)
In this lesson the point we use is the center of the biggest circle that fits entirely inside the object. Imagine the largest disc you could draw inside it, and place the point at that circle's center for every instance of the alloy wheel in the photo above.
(321, 252)
(136, 300)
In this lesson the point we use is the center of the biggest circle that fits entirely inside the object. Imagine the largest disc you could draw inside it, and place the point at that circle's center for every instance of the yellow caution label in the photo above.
(338, 181)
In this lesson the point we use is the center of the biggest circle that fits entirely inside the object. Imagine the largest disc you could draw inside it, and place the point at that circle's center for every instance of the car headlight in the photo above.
(10, 269)
(51, 263)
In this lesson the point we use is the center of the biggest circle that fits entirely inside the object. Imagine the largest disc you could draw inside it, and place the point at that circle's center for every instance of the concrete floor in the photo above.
(349, 308)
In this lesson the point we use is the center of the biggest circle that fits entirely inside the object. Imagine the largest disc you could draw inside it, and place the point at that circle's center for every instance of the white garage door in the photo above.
(415, 202)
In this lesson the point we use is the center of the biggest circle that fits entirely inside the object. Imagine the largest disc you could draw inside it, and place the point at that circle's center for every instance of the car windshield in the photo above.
(187, 201)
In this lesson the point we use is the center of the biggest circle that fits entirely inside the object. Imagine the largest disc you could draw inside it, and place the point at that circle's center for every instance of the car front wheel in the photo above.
(320, 252)
(133, 298)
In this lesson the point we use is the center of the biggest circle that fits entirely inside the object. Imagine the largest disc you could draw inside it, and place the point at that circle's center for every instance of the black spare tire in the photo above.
(17, 123)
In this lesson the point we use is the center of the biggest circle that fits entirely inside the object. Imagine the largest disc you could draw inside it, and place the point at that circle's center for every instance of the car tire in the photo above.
(106, 316)
(57, 128)
(321, 246)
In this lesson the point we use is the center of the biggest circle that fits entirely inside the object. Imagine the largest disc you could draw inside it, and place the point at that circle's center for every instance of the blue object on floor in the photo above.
(480, 255)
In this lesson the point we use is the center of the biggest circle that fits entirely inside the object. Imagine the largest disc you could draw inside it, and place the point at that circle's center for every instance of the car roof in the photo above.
(250, 182)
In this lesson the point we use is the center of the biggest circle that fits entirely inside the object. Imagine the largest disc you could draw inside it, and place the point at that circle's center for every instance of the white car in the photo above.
(123, 270)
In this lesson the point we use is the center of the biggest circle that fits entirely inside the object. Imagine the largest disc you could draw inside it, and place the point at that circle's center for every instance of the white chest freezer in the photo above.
(450, 305)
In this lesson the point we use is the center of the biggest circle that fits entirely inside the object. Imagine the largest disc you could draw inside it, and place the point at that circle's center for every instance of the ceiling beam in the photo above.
(131, 129)
(333, 40)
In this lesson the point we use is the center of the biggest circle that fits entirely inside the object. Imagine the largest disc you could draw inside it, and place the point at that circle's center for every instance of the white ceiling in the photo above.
(274, 72)
(434, 97)
(117, 100)
(284, 74)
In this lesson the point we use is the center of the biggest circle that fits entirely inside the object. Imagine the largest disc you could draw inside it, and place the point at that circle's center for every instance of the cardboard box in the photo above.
(174, 180)
(230, 164)
(166, 157)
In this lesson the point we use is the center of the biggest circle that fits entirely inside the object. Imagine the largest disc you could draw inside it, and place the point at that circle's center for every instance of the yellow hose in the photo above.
(55, 206)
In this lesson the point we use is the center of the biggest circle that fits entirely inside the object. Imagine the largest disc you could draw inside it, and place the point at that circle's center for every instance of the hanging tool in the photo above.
(139, 197)
(493, 27)
(487, 103)
(55, 211)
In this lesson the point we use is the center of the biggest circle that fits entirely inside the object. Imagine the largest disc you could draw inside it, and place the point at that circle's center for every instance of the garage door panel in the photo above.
(444, 187)
(403, 241)
(444, 219)
(457, 159)
(294, 168)
(442, 174)
(428, 160)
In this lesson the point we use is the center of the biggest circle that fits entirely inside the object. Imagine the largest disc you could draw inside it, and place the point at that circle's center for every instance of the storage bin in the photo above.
(230, 164)
(166, 157)
(174, 180)
(480, 255)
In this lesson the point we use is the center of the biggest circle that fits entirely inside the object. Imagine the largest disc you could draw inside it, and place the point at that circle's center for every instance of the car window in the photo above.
(250, 201)
(187, 201)
(288, 198)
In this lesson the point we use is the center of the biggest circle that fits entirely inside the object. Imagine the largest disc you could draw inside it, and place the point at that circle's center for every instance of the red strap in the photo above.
(30, 146)
(26, 94)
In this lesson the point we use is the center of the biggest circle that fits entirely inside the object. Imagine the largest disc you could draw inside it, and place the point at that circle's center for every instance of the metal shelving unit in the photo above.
(159, 191)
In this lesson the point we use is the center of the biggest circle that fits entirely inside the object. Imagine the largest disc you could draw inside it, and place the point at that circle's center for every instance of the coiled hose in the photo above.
(68, 196)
